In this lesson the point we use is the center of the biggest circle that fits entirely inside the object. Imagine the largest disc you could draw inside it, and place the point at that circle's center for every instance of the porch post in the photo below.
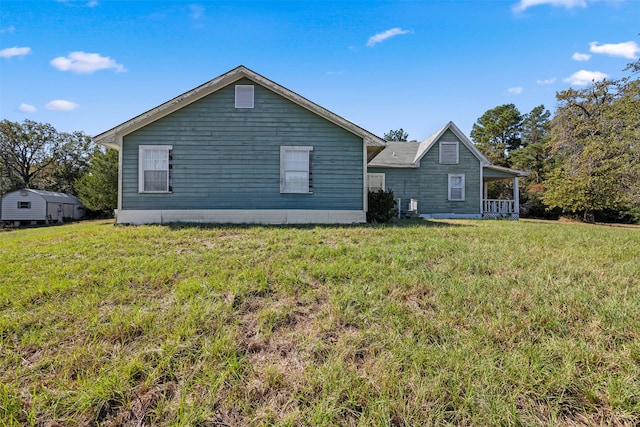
(516, 197)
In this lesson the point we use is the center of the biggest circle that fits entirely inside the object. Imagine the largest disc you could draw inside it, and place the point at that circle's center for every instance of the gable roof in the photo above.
(111, 139)
(409, 154)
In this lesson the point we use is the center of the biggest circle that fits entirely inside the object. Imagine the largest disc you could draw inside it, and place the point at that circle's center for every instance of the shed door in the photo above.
(68, 210)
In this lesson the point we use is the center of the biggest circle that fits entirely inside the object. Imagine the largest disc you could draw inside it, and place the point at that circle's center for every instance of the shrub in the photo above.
(382, 206)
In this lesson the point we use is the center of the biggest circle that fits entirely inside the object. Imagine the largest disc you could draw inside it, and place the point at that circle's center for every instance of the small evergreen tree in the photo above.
(98, 187)
(382, 206)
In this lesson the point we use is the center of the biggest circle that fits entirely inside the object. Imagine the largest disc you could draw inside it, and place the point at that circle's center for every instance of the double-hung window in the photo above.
(448, 153)
(456, 187)
(154, 170)
(295, 169)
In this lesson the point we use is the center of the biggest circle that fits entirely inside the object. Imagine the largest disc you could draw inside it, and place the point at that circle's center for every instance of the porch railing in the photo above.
(498, 207)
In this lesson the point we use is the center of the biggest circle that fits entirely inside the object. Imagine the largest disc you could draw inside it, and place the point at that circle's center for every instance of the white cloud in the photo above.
(61, 105)
(625, 50)
(14, 51)
(380, 37)
(546, 81)
(584, 77)
(10, 29)
(85, 63)
(27, 108)
(93, 3)
(569, 4)
(577, 56)
(515, 90)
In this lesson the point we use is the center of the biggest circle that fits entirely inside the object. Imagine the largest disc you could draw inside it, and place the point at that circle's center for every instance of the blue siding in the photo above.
(228, 158)
(429, 183)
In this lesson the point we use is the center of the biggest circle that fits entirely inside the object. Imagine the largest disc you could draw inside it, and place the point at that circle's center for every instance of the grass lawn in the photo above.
(421, 323)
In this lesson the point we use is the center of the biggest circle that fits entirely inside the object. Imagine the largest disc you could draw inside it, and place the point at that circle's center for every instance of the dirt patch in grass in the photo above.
(143, 401)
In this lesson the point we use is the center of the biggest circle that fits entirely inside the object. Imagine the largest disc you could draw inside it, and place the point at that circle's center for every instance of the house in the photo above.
(444, 176)
(241, 149)
(34, 206)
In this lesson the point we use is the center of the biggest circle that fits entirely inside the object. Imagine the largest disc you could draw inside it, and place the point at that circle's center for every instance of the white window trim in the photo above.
(455, 175)
(141, 149)
(384, 187)
(454, 143)
(283, 150)
(245, 96)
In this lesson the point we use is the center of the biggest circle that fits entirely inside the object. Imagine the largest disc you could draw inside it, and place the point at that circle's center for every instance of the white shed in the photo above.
(39, 205)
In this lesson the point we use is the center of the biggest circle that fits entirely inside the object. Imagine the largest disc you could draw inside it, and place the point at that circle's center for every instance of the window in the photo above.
(244, 96)
(295, 170)
(375, 181)
(154, 172)
(456, 187)
(24, 205)
(448, 153)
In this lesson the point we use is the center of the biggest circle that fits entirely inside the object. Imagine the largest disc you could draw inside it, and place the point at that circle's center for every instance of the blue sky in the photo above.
(90, 65)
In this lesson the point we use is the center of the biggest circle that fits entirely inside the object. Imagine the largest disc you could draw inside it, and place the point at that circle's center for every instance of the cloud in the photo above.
(93, 3)
(584, 77)
(569, 4)
(577, 56)
(61, 105)
(86, 63)
(27, 108)
(625, 50)
(380, 37)
(14, 51)
(546, 81)
(10, 29)
(515, 90)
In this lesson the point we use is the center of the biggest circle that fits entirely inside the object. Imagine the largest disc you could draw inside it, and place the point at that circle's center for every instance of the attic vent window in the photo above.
(448, 153)
(244, 96)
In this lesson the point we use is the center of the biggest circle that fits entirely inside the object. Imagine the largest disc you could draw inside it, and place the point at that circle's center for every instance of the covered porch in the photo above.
(502, 208)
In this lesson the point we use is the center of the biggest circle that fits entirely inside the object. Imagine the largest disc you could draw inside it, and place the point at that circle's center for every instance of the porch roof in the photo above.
(494, 173)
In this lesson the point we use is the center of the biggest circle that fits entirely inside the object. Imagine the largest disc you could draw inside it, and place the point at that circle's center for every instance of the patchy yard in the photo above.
(460, 322)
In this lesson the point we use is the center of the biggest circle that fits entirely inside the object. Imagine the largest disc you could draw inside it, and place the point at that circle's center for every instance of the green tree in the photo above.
(98, 187)
(396, 135)
(595, 138)
(532, 157)
(497, 132)
(36, 155)
(76, 151)
(28, 149)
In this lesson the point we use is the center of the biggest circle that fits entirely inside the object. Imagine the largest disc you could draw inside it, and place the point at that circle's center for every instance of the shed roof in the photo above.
(110, 137)
(51, 196)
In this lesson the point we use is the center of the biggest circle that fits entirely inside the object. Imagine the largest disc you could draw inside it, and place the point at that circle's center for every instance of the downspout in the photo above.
(119, 141)
(516, 198)
(481, 189)
(365, 192)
